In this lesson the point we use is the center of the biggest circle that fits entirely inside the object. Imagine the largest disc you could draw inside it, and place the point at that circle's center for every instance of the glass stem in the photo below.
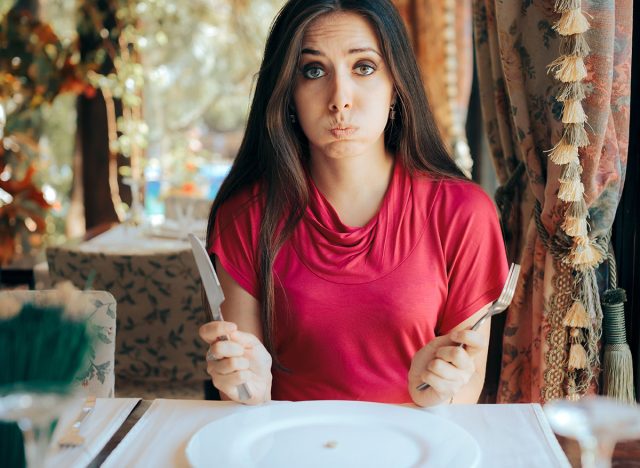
(36, 444)
(596, 453)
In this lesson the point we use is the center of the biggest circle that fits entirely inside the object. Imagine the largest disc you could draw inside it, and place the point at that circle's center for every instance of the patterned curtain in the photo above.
(440, 32)
(515, 42)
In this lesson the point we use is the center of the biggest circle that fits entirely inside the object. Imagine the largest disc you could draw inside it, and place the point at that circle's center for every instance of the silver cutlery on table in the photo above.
(506, 296)
(214, 293)
(72, 437)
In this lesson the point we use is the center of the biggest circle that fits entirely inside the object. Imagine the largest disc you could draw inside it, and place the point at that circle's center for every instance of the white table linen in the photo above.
(131, 240)
(97, 429)
(509, 435)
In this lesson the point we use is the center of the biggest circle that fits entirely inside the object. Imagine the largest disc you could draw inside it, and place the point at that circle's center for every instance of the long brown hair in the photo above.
(274, 151)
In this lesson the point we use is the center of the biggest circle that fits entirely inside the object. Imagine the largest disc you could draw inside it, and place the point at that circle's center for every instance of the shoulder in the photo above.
(241, 214)
(453, 198)
(247, 202)
(464, 197)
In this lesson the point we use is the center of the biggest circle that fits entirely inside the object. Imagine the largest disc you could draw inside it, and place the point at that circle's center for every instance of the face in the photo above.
(343, 88)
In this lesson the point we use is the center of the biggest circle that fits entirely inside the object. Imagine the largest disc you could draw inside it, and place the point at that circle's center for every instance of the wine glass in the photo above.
(34, 407)
(597, 423)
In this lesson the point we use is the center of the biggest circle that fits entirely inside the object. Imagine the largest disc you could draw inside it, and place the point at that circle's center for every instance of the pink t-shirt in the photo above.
(354, 304)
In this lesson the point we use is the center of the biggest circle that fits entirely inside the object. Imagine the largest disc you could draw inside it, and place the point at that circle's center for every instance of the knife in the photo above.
(214, 293)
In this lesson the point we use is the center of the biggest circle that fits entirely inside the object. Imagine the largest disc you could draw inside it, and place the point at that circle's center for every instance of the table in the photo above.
(627, 454)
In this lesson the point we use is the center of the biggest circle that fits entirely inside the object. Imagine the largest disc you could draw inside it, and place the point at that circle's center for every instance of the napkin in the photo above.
(509, 435)
(97, 429)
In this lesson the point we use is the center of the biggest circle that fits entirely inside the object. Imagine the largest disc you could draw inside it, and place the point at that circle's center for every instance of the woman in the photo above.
(352, 254)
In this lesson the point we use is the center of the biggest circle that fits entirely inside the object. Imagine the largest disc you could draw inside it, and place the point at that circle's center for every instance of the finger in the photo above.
(227, 383)
(248, 340)
(213, 331)
(443, 370)
(473, 340)
(457, 356)
(226, 349)
(443, 388)
(228, 365)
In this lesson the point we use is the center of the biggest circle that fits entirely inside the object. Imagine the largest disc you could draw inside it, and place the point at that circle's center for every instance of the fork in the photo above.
(498, 306)
(72, 437)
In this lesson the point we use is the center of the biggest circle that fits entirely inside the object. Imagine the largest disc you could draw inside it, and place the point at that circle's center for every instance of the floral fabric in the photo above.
(97, 377)
(514, 43)
(158, 350)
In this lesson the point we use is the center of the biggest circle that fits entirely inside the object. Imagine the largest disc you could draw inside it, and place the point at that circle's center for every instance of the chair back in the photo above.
(159, 314)
(97, 378)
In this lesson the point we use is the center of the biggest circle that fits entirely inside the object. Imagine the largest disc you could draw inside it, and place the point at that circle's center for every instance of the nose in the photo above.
(341, 93)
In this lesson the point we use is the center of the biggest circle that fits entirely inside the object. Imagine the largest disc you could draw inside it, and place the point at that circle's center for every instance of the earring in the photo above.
(392, 112)
(292, 117)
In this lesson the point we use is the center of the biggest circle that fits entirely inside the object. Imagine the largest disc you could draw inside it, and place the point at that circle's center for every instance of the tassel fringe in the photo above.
(571, 191)
(565, 5)
(585, 256)
(577, 357)
(572, 22)
(571, 90)
(573, 112)
(571, 171)
(575, 44)
(575, 227)
(618, 373)
(576, 317)
(576, 135)
(568, 68)
(577, 209)
(564, 153)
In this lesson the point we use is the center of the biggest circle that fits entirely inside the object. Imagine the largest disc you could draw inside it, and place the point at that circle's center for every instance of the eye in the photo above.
(365, 69)
(313, 72)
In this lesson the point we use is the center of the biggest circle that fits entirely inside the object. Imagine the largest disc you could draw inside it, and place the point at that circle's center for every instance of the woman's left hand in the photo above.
(445, 366)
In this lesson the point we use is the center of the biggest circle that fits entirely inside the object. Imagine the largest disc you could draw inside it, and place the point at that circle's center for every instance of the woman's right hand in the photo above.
(240, 359)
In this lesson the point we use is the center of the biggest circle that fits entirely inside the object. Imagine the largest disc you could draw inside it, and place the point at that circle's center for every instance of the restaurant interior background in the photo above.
(113, 107)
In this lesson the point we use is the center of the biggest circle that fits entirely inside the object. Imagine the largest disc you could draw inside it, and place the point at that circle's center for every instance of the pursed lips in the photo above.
(342, 131)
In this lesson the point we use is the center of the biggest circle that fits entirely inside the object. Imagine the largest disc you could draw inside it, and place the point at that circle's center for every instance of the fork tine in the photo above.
(505, 289)
(510, 289)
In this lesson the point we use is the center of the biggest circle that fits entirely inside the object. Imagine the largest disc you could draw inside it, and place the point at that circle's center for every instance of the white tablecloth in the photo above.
(510, 436)
(133, 240)
(97, 429)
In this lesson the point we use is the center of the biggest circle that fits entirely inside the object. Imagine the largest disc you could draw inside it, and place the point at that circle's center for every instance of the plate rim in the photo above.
(326, 405)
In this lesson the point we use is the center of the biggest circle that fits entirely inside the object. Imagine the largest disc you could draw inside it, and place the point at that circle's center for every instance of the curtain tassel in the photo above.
(571, 190)
(618, 365)
(567, 68)
(573, 112)
(575, 226)
(576, 317)
(564, 153)
(572, 22)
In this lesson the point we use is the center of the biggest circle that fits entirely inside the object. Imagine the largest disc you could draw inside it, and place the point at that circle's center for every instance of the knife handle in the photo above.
(243, 391)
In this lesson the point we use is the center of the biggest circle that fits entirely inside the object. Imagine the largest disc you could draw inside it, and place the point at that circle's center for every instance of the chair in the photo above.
(97, 378)
(158, 350)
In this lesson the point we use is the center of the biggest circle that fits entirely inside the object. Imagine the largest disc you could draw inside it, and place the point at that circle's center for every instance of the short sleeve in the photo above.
(234, 240)
(474, 252)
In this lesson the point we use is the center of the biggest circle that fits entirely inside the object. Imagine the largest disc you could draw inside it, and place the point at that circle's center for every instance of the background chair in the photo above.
(158, 350)
(97, 378)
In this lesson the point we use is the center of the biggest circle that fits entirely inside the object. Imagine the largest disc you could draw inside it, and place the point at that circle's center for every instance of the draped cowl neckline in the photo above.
(353, 255)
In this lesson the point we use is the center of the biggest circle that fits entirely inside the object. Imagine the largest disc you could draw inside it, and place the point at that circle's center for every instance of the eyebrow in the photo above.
(351, 51)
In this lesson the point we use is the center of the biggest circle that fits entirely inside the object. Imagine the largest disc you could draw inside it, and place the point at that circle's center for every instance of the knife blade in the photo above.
(214, 293)
(210, 281)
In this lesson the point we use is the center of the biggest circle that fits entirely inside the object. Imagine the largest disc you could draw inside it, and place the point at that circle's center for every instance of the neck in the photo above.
(355, 186)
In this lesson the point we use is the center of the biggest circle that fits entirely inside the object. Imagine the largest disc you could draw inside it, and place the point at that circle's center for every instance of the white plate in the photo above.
(333, 434)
